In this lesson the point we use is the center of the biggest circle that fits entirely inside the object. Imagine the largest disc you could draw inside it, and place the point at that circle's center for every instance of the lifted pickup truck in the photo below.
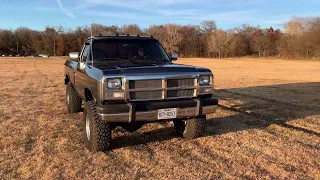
(129, 81)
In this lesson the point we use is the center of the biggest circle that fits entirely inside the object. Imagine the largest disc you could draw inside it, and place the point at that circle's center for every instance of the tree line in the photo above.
(300, 39)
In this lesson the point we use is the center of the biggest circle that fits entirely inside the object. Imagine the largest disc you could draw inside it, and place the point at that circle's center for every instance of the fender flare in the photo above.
(67, 78)
(89, 95)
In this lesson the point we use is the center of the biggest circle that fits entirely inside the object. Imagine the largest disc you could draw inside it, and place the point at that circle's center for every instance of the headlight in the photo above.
(204, 80)
(114, 83)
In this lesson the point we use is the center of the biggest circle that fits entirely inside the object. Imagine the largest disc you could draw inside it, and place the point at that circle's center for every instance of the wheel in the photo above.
(190, 129)
(97, 133)
(73, 100)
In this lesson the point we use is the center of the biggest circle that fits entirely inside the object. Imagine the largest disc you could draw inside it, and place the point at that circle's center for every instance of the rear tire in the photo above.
(97, 133)
(190, 129)
(73, 100)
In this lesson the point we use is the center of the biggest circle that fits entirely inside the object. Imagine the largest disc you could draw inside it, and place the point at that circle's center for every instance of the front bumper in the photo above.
(148, 111)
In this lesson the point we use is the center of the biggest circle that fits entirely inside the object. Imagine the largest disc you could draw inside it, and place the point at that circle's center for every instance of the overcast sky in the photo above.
(37, 14)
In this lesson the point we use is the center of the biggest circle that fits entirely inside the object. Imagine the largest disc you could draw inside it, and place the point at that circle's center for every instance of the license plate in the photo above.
(169, 113)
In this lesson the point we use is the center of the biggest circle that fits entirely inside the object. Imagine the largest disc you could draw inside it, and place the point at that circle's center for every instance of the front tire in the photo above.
(97, 133)
(190, 129)
(73, 100)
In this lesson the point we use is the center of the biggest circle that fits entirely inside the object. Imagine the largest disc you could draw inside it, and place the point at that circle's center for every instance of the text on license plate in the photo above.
(169, 113)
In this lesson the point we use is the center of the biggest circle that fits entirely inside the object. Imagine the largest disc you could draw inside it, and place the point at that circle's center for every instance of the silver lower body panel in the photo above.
(153, 115)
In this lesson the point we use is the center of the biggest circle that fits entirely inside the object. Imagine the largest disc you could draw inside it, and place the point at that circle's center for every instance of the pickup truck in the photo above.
(130, 80)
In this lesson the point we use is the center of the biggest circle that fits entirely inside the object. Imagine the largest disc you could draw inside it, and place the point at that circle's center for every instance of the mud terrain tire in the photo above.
(190, 129)
(73, 101)
(97, 134)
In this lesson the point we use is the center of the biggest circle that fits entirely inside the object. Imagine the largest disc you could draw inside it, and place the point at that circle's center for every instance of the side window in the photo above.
(85, 53)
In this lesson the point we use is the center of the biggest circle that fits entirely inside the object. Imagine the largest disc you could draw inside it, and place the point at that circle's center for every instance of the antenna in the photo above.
(91, 43)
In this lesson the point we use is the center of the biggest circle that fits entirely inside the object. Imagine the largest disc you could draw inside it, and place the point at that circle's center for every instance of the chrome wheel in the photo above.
(88, 127)
(68, 98)
(184, 125)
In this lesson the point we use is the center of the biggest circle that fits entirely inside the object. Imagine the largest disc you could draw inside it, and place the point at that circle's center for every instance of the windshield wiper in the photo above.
(134, 61)
(148, 61)
(112, 60)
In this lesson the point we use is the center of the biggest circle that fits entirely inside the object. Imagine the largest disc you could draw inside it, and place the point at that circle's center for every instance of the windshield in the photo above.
(128, 49)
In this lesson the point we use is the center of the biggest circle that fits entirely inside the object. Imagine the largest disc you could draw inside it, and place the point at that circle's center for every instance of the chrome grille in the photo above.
(140, 84)
(180, 83)
(143, 95)
(157, 89)
(180, 93)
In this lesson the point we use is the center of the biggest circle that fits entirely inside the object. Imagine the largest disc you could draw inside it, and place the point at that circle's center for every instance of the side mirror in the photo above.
(74, 55)
(174, 56)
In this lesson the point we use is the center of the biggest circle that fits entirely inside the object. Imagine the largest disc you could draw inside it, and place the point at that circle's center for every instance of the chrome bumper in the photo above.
(153, 115)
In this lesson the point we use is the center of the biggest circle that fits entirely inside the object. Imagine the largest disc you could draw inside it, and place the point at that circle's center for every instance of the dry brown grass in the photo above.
(267, 127)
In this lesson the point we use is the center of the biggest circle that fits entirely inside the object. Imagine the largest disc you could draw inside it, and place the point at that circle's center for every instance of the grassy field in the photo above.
(267, 126)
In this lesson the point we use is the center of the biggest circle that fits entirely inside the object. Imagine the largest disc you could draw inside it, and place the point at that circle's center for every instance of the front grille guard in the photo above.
(164, 88)
(126, 90)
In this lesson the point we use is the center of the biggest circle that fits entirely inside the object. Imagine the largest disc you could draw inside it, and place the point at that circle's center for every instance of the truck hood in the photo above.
(152, 69)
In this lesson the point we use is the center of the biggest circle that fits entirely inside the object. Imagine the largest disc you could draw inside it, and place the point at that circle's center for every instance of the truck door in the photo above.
(79, 74)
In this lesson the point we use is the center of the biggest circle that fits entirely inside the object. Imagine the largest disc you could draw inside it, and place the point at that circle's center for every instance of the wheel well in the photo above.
(88, 94)
(67, 79)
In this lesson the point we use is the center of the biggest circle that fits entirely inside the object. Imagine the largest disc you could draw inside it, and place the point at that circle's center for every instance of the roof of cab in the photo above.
(117, 36)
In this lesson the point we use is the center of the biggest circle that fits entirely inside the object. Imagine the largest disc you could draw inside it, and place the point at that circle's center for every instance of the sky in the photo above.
(37, 14)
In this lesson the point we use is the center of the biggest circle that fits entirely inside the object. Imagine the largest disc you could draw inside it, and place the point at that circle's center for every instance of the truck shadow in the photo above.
(137, 138)
(247, 108)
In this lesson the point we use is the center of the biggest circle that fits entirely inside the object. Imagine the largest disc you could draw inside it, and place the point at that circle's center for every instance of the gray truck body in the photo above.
(150, 90)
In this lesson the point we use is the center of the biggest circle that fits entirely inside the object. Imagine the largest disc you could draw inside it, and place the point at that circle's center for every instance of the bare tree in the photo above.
(61, 46)
(293, 27)
(23, 40)
(245, 32)
(98, 29)
(219, 42)
(173, 37)
(208, 26)
(111, 30)
(315, 33)
(260, 42)
(190, 43)
(132, 29)
(7, 39)
(157, 31)
(301, 39)
(37, 43)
